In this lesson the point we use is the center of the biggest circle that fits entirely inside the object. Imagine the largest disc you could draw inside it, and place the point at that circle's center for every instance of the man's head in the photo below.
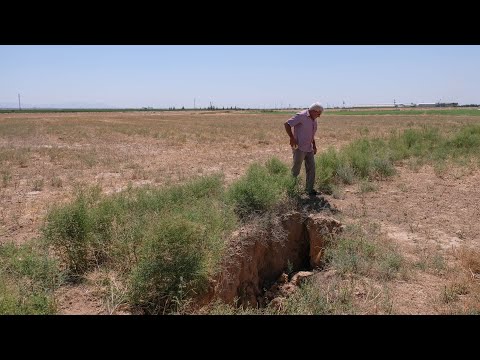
(315, 110)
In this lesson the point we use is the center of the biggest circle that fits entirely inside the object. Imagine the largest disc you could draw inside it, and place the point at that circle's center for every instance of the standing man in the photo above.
(302, 142)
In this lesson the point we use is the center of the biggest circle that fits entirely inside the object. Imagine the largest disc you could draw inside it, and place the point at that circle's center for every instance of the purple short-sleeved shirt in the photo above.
(304, 129)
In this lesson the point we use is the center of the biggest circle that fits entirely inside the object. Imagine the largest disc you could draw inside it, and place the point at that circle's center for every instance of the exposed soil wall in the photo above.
(258, 259)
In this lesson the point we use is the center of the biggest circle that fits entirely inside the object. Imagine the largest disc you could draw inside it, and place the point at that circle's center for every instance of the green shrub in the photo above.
(262, 188)
(173, 258)
(466, 141)
(276, 167)
(28, 278)
(67, 229)
(367, 159)
(161, 241)
(346, 174)
(383, 167)
(326, 165)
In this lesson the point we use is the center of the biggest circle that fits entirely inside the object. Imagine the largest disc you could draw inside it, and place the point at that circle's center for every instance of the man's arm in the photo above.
(314, 147)
(288, 129)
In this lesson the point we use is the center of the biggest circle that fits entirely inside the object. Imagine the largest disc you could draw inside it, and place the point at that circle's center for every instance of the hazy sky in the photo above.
(237, 75)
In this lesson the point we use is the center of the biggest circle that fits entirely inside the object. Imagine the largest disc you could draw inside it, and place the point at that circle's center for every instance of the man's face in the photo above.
(315, 113)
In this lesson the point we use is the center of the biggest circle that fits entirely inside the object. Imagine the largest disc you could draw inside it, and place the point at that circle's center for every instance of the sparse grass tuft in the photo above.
(366, 186)
(56, 182)
(6, 178)
(470, 259)
(314, 299)
(220, 308)
(346, 174)
(451, 291)
(431, 260)
(357, 252)
(14, 156)
(37, 185)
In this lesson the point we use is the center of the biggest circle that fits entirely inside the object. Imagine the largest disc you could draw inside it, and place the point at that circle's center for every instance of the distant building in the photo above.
(438, 104)
(374, 106)
(427, 104)
(398, 105)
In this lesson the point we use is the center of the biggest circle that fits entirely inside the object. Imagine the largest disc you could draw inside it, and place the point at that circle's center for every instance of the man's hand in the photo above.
(314, 150)
(288, 129)
(293, 143)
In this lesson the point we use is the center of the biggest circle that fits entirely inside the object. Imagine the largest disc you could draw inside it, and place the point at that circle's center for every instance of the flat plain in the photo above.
(430, 212)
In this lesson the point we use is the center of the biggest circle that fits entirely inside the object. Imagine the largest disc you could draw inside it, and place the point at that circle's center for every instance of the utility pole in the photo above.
(19, 107)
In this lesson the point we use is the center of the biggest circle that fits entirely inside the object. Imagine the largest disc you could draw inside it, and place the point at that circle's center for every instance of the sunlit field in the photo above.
(426, 206)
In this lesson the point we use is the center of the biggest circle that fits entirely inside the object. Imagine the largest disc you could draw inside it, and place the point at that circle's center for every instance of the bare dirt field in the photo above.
(431, 214)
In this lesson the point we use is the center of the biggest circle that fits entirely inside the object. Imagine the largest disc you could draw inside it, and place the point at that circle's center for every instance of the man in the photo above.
(303, 142)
